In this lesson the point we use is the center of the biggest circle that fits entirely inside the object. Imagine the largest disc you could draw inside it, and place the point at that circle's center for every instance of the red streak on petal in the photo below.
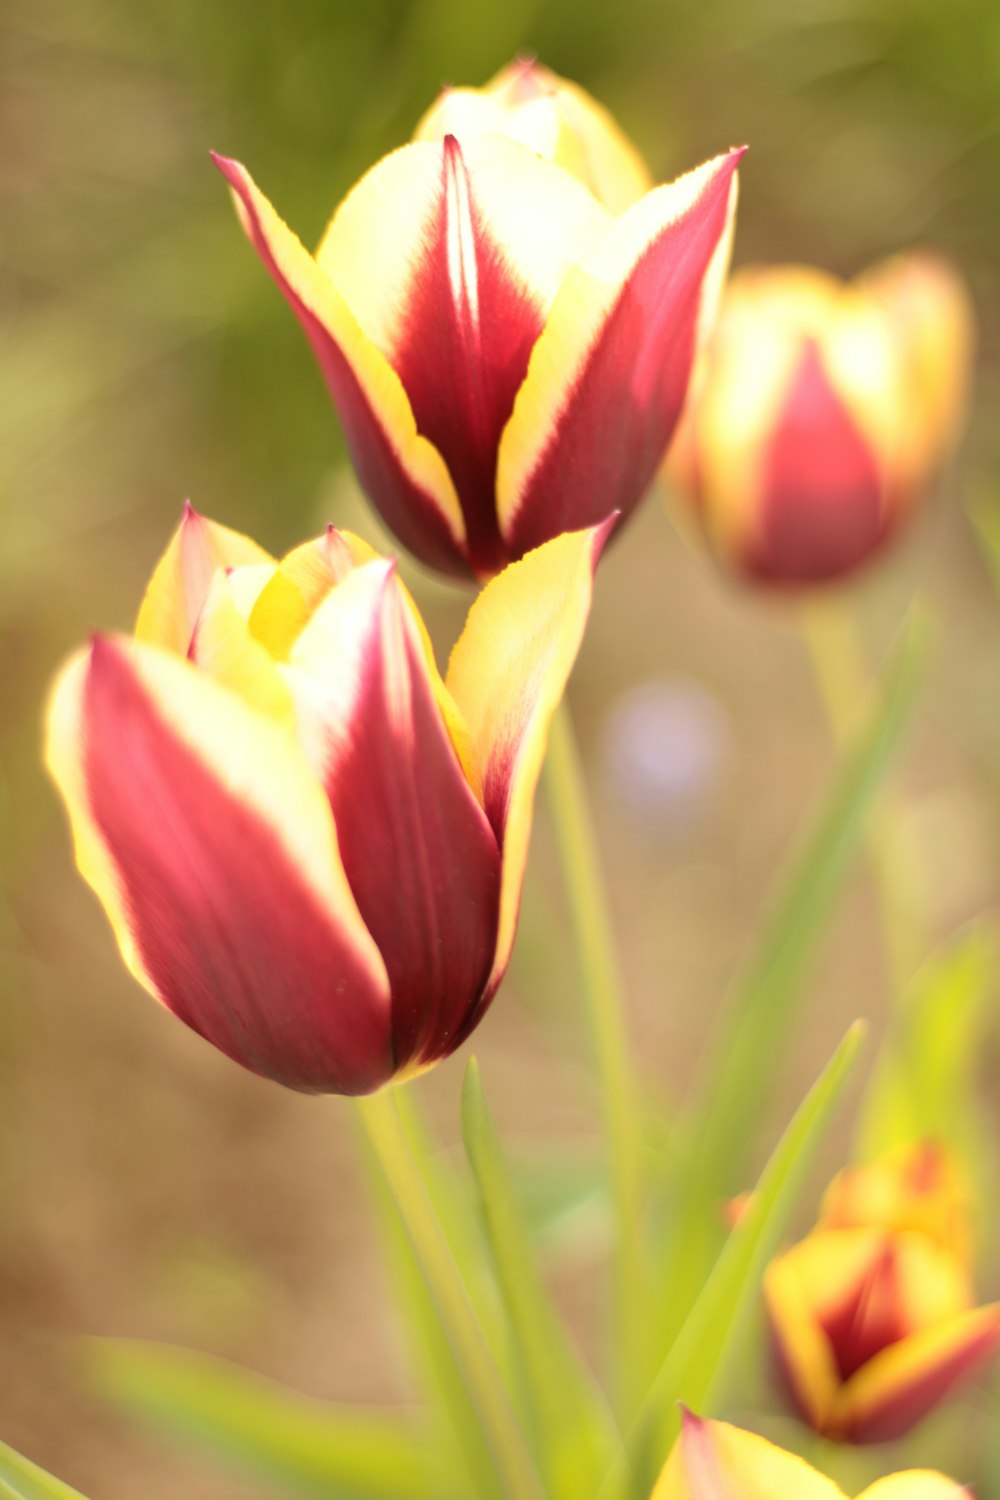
(906, 1406)
(823, 496)
(463, 348)
(420, 856)
(871, 1319)
(235, 943)
(619, 414)
(411, 514)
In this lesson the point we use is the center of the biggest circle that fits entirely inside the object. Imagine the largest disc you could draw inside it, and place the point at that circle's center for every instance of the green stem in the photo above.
(844, 679)
(380, 1119)
(605, 1010)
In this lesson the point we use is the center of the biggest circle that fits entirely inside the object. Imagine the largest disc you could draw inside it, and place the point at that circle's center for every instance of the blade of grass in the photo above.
(696, 1364)
(574, 1434)
(718, 1131)
(20, 1479)
(338, 1453)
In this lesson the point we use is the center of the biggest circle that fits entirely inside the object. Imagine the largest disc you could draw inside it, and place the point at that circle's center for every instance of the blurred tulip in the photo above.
(555, 118)
(714, 1461)
(917, 1186)
(820, 413)
(310, 847)
(508, 358)
(872, 1314)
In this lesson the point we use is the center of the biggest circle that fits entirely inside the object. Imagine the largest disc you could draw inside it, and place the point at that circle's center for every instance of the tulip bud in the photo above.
(714, 1461)
(820, 414)
(872, 1314)
(553, 117)
(508, 358)
(309, 845)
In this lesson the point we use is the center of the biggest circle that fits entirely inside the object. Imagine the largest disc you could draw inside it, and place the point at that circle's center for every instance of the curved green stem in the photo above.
(605, 1010)
(380, 1119)
(844, 679)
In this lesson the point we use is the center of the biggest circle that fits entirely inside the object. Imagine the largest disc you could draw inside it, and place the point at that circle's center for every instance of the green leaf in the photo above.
(696, 1365)
(720, 1129)
(923, 1084)
(20, 1479)
(336, 1452)
(574, 1434)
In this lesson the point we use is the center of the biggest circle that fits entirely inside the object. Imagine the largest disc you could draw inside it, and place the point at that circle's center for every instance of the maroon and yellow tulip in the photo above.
(872, 1315)
(508, 358)
(820, 414)
(714, 1461)
(556, 118)
(309, 845)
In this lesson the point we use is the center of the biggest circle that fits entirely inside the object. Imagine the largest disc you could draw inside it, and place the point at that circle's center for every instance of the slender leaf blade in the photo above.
(20, 1479)
(318, 1449)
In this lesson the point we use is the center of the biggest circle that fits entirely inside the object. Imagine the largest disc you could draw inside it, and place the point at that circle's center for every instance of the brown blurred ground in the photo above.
(149, 1187)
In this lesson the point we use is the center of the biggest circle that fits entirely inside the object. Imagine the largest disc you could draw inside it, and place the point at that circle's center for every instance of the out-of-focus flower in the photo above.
(872, 1314)
(820, 413)
(714, 1461)
(309, 845)
(508, 359)
(664, 746)
(916, 1186)
(555, 118)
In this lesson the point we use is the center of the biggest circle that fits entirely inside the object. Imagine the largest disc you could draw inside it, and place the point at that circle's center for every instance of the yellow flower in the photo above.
(713, 1461)
(310, 846)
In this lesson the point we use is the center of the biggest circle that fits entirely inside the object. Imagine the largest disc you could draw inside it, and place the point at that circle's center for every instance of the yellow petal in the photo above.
(715, 1461)
(181, 579)
(227, 649)
(916, 1484)
(507, 674)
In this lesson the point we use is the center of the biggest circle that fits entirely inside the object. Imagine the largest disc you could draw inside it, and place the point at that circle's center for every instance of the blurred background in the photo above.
(147, 1186)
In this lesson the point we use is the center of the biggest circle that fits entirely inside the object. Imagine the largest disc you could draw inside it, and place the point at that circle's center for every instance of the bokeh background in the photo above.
(147, 1186)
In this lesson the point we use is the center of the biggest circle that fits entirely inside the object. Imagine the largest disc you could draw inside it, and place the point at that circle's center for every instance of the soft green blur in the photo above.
(147, 1187)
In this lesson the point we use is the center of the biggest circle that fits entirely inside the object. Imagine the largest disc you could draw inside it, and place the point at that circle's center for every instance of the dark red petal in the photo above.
(234, 941)
(615, 422)
(463, 348)
(823, 502)
(421, 858)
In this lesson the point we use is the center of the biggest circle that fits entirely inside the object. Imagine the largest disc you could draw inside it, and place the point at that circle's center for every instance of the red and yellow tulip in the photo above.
(309, 845)
(872, 1315)
(555, 118)
(714, 1461)
(508, 357)
(821, 412)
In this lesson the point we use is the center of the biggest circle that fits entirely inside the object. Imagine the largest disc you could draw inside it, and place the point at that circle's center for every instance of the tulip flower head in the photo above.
(555, 118)
(821, 413)
(872, 1315)
(309, 845)
(508, 358)
(714, 1461)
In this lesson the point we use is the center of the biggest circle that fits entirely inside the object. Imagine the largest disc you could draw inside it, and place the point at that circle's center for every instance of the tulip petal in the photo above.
(900, 1385)
(916, 1484)
(715, 1461)
(179, 586)
(211, 846)
(507, 674)
(609, 373)
(823, 506)
(403, 473)
(422, 859)
(449, 257)
(225, 647)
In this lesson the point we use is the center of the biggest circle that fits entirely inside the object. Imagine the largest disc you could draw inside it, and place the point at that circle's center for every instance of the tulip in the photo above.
(915, 1186)
(872, 1315)
(714, 1461)
(508, 358)
(310, 846)
(820, 416)
(556, 118)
